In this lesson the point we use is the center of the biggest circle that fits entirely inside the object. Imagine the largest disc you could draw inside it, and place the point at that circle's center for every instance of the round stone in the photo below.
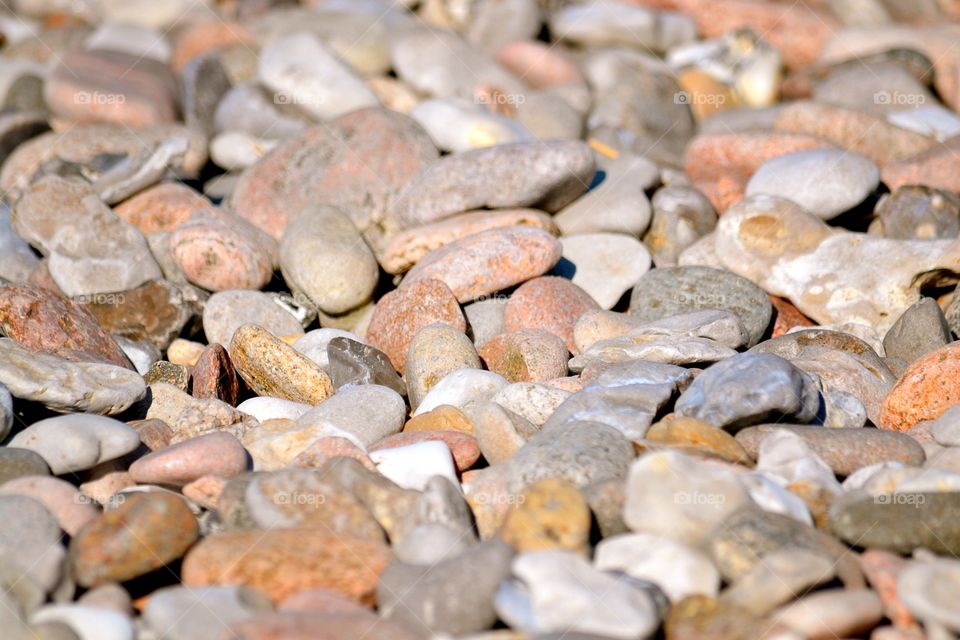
(17, 463)
(70, 507)
(527, 355)
(662, 293)
(215, 453)
(486, 262)
(550, 303)
(605, 265)
(551, 514)
(825, 182)
(435, 351)
(924, 391)
(145, 532)
(404, 311)
(76, 442)
(344, 279)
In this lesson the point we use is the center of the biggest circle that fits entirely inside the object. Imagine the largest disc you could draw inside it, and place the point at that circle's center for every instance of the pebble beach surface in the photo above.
(479, 320)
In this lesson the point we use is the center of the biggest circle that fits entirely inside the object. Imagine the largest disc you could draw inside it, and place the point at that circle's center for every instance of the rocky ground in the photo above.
(479, 319)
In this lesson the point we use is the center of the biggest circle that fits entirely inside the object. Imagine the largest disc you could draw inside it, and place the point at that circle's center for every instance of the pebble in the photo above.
(931, 167)
(59, 497)
(313, 344)
(412, 466)
(352, 362)
(699, 436)
(560, 591)
(65, 219)
(188, 417)
(349, 566)
(500, 432)
(543, 175)
(833, 613)
(900, 522)
(921, 329)
(300, 69)
(678, 569)
(18, 463)
(549, 303)
(461, 389)
(618, 204)
(271, 367)
(681, 216)
(347, 275)
(535, 402)
(400, 314)
(596, 24)
(408, 247)
(843, 180)
(214, 377)
(677, 496)
(197, 613)
(458, 125)
(444, 417)
(538, 64)
(662, 293)
(220, 454)
(85, 622)
(435, 351)
(41, 320)
(454, 595)
(748, 389)
(386, 150)
(227, 311)
(916, 212)
(929, 603)
(551, 514)
(489, 261)
(77, 442)
(526, 355)
(923, 391)
(463, 447)
(144, 532)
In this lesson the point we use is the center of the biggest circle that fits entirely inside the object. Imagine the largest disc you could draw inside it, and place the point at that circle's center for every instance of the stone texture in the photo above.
(227, 311)
(402, 312)
(921, 329)
(486, 262)
(145, 532)
(435, 351)
(526, 355)
(923, 392)
(271, 367)
(550, 303)
(77, 442)
(214, 377)
(215, 453)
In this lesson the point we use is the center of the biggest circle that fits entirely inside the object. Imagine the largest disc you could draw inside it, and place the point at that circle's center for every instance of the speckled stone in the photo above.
(526, 355)
(924, 391)
(386, 150)
(271, 367)
(213, 376)
(543, 175)
(435, 351)
(690, 433)
(442, 418)
(282, 562)
(661, 293)
(550, 303)
(402, 312)
(486, 262)
(551, 514)
(213, 453)
(145, 532)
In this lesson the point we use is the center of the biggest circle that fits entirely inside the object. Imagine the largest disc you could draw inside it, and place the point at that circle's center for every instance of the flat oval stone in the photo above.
(41, 320)
(549, 303)
(486, 262)
(543, 175)
(461, 389)
(661, 293)
(197, 613)
(408, 247)
(933, 167)
(825, 182)
(901, 522)
(216, 453)
(404, 311)
(928, 590)
(695, 434)
(83, 622)
(538, 64)
(77, 442)
(924, 391)
(226, 311)
(271, 367)
(162, 207)
(145, 532)
(916, 212)
(386, 150)
(526, 355)
(844, 612)
(295, 562)
(441, 418)
(747, 389)
(462, 446)
(435, 351)
(348, 273)
(70, 507)
(605, 265)
(458, 125)
(365, 413)
(845, 450)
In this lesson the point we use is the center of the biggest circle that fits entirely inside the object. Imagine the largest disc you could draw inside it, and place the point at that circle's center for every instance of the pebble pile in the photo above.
(479, 320)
